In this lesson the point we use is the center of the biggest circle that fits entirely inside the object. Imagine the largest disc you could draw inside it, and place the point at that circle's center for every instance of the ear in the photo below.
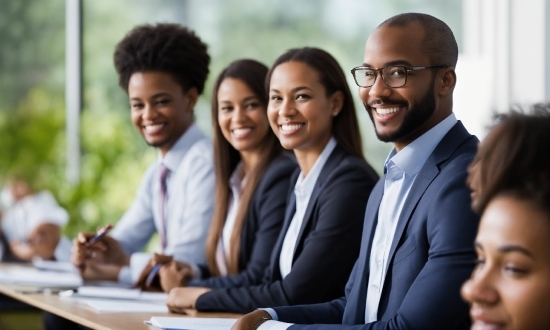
(337, 102)
(192, 95)
(446, 82)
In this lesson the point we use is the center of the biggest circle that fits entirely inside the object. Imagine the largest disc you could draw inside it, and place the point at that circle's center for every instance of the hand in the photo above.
(21, 250)
(180, 299)
(105, 251)
(94, 271)
(158, 259)
(175, 274)
(43, 240)
(249, 321)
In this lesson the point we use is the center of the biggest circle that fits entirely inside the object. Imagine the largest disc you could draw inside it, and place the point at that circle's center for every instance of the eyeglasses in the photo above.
(394, 76)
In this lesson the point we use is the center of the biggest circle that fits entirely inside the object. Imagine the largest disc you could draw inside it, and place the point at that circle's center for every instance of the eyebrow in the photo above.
(248, 98)
(294, 90)
(152, 97)
(397, 62)
(510, 248)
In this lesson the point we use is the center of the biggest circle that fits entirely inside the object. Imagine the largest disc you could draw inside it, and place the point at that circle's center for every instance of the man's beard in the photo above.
(414, 118)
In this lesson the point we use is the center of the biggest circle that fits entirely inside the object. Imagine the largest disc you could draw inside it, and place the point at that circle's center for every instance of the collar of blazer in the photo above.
(331, 164)
(457, 136)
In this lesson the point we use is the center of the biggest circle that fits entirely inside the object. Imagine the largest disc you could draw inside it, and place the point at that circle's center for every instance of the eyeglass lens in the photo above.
(394, 76)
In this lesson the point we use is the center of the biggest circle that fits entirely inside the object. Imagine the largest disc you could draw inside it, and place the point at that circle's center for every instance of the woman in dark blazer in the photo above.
(252, 181)
(312, 112)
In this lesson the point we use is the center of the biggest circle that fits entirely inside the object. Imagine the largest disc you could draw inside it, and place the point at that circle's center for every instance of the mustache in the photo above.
(382, 101)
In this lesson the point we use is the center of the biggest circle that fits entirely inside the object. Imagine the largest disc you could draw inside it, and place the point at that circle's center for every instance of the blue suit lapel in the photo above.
(450, 142)
(354, 312)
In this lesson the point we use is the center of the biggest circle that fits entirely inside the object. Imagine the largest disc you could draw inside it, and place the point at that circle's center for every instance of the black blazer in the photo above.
(327, 246)
(261, 228)
(431, 255)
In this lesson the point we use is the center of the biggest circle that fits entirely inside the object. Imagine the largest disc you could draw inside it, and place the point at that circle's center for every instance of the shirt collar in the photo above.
(237, 180)
(411, 158)
(305, 185)
(174, 156)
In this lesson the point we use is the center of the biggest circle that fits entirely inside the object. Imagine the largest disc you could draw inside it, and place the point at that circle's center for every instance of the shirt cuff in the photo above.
(196, 271)
(130, 274)
(271, 312)
(274, 325)
(125, 275)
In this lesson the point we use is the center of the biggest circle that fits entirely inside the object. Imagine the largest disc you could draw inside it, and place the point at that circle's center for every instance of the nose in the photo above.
(480, 288)
(287, 108)
(379, 89)
(239, 115)
(149, 112)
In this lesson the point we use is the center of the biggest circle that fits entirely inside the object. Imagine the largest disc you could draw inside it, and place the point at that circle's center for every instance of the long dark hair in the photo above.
(345, 126)
(253, 74)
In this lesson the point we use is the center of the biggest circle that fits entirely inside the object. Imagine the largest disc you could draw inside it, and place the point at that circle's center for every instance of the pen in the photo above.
(152, 275)
(99, 235)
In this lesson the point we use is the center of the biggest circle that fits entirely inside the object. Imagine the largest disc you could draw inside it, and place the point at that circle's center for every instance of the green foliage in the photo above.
(33, 144)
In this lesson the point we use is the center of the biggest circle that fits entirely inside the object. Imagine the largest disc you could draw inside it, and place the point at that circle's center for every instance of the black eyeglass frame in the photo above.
(407, 70)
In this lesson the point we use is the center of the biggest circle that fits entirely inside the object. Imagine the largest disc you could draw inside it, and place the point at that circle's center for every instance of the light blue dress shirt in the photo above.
(188, 209)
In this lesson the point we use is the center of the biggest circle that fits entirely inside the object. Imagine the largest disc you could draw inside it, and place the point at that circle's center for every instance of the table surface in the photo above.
(86, 316)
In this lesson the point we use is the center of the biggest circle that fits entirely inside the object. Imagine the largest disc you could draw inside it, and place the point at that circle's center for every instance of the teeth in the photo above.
(241, 131)
(386, 111)
(153, 127)
(290, 128)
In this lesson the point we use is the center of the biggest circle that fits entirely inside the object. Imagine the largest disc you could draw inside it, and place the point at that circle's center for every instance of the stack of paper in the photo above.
(56, 266)
(35, 277)
(112, 299)
(116, 293)
(124, 306)
(191, 323)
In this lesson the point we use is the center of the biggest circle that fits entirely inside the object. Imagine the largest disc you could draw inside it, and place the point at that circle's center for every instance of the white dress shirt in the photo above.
(30, 212)
(236, 183)
(401, 169)
(188, 207)
(302, 190)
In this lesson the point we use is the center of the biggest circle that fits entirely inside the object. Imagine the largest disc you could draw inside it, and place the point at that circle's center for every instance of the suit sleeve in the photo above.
(328, 253)
(433, 301)
(268, 210)
(326, 313)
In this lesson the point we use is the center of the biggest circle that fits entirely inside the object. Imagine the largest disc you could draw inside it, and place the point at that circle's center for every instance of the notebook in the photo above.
(191, 323)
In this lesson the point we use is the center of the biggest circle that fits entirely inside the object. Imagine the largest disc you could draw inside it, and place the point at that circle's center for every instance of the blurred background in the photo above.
(64, 122)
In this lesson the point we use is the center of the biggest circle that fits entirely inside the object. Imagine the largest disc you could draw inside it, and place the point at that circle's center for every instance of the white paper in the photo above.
(35, 277)
(192, 323)
(117, 293)
(125, 306)
(56, 266)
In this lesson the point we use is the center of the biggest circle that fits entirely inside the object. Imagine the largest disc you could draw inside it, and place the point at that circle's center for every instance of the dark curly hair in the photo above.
(169, 48)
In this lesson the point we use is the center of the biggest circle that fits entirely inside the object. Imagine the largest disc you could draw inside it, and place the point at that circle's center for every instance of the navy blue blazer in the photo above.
(261, 228)
(327, 246)
(431, 255)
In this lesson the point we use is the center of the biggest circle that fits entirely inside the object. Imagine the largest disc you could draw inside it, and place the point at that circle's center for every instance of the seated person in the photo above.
(510, 178)
(311, 111)
(163, 69)
(253, 177)
(32, 224)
